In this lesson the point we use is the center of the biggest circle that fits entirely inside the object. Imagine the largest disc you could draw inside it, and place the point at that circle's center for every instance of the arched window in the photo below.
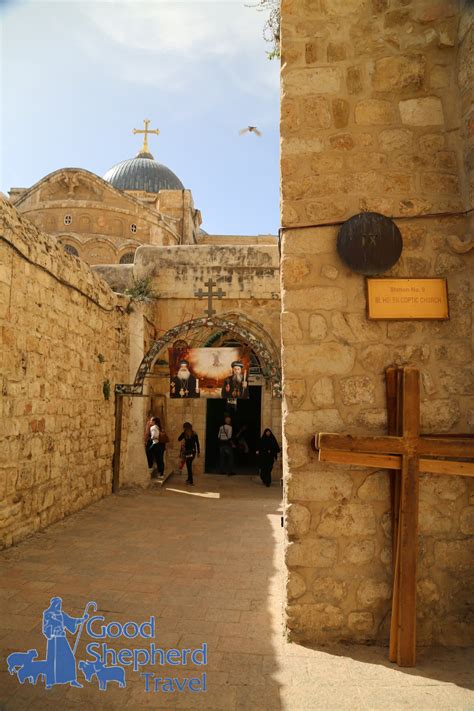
(133, 228)
(127, 258)
(71, 250)
(68, 219)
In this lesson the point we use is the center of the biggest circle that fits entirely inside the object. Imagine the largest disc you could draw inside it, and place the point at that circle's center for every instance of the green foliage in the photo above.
(141, 291)
(271, 28)
(101, 358)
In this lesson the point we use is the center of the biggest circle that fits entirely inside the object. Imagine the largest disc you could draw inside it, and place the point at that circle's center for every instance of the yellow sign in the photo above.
(407, 299)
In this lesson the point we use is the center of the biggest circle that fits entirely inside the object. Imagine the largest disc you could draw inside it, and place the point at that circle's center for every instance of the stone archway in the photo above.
(200, 329)
(238, 325)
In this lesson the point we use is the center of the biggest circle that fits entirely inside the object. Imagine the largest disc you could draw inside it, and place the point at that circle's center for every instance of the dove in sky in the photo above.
(250, 129)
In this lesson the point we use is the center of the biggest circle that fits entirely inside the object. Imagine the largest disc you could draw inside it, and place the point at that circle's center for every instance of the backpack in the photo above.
(163, 437)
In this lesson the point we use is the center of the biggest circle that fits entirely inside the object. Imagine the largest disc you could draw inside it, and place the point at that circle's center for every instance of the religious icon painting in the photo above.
(209, 372)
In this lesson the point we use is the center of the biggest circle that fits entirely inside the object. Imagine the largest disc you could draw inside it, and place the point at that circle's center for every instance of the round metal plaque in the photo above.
(369, 243)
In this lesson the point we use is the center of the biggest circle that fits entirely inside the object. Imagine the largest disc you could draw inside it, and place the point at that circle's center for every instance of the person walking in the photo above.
(226, 447)
(147, 440)
(191, 449)
(159, 439)
(267, 453)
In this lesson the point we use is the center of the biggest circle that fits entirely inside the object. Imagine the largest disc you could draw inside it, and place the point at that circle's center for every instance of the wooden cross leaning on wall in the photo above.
(406, 453)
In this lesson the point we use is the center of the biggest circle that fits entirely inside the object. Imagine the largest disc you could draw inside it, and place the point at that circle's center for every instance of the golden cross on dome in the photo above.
(146, 131)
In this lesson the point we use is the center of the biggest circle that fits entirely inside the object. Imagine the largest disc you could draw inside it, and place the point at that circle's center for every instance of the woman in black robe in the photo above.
(267, 453)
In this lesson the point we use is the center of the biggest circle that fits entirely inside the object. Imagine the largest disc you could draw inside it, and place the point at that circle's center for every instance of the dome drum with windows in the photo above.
(143, 172)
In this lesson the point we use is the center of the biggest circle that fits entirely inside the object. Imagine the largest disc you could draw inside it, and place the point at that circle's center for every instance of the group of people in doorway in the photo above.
(267, 452)
(156, 440)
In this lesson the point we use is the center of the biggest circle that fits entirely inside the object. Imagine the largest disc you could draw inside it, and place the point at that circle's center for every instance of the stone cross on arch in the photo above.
(406, 453)
(210, 293)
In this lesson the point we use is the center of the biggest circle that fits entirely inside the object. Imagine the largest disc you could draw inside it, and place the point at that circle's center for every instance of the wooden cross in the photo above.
(406, 453)
(146, 131)
(209, 293)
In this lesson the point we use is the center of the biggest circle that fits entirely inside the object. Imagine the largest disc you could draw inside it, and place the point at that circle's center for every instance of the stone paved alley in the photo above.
(207, 562)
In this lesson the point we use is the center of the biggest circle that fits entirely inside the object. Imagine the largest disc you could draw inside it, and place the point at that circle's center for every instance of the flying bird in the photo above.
(250, 129)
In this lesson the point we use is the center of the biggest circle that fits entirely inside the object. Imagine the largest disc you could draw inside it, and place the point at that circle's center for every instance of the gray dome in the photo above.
(142, 173)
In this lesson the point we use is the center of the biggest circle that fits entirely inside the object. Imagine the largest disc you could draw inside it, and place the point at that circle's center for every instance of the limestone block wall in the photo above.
(135, 469)
(232, 240)
(374, 115)
(371, 108)
(100, 222)
(243, 271)
(177, 206)
(249, 275)
(64, 344)
(92, 205)
(118, 276)
(339, 546)
(465, 79)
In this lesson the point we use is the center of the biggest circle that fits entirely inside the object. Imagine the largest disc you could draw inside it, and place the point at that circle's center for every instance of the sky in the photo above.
(78, 75)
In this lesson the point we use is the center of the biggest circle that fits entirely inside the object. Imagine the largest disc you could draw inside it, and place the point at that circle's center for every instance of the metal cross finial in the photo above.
(146, 131)
(210, 293)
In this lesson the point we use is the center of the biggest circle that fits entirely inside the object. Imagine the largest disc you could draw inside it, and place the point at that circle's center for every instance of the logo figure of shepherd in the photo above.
(60, 660)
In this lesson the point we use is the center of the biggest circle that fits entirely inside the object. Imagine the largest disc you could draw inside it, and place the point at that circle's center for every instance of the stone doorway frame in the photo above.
(235, 324)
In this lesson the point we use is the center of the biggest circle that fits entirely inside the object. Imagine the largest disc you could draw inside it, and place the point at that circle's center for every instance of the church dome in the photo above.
(142, 173)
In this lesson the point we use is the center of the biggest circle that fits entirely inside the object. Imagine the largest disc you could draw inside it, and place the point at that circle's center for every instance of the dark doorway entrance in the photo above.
(246, 413)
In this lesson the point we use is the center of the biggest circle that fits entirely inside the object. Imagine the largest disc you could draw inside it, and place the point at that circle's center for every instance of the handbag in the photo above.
(163, 437)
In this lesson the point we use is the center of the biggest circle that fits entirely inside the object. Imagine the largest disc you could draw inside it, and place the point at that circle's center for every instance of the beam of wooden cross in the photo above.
(406, 452)
(210, 293)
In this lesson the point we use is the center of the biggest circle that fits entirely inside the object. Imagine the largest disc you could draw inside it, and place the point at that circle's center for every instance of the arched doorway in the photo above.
(246, 420)
(201, 333)
(245, 415)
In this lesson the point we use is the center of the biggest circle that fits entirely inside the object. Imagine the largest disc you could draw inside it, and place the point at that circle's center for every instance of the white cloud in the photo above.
(161, 27)
(167, 44)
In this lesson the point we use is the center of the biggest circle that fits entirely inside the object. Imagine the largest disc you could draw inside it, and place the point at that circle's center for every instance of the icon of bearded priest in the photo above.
(236, 386)
(184, 383)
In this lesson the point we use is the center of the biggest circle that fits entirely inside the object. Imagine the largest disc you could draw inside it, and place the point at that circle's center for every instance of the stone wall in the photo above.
(249, 276)
(465, 78)
(371, 118)
(339, 550)
(103, 224)
(64, 345)
(371, 108)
